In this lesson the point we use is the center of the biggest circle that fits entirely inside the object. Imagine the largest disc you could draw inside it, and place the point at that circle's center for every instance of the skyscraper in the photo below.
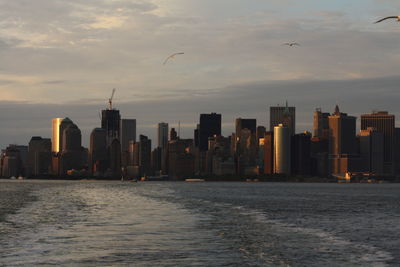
(162, 135)
(98, 151)
(383, 122)
(321, 124)
(250, 124)
(39, 156)
(56, 135)
(282, 157)
(127, 133)
(110, 121)
(210, 125)
(283, 115)
(342, 142)
(372, 150)
(65, 123)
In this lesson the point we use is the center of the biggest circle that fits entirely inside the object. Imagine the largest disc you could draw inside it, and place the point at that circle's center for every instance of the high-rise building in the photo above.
(210, 125)
(65, 123)
(56, 122)
(114, 154)
(162, 135)
(127, 133)
(282, 163)
(284, 115)
(250, 124)
(269, 153)
(39, 156)
(301, 154)
(383, 122)
(342, 142)
(98, 151)
(72, 151)
(321, 124)
(372, 150)
(145, 155)
(260, 132)
(110, 121)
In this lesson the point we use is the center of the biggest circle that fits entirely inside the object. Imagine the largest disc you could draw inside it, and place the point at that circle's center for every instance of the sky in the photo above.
(62, 58)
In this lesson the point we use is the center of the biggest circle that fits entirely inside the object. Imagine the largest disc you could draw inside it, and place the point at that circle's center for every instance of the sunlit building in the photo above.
(55, 141)
(282, 158)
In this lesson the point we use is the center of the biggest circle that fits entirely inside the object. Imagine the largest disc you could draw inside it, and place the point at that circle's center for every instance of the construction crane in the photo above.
(110, 99)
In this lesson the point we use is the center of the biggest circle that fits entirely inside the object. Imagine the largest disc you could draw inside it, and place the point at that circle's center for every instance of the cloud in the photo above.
(21, 120)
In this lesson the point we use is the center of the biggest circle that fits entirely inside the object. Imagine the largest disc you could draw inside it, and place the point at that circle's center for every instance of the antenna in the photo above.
(110, 99)
(179, 129)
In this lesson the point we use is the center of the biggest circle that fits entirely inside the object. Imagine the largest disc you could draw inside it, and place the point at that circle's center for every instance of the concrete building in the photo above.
(372, 150)
(127, 133)
(162, 135)
(64, 124)
(342, 143)
(39, 156)
(301, 154)
(210, 125)
(110, 121)
(98, 158)
(284, 115)
(321, 124)
(269, 153)
(282, 157)
(383, 122)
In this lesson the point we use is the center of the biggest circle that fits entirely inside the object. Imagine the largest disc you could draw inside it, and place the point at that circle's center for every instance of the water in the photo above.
(198, 224)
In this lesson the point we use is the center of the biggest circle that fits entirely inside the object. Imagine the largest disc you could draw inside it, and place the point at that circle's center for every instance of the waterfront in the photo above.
(207, 224)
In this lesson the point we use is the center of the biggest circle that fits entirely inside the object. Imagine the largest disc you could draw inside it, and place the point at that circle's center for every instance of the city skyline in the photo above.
(60, 59)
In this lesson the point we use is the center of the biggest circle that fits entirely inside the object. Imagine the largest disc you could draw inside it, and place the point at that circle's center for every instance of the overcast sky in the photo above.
(62, 58)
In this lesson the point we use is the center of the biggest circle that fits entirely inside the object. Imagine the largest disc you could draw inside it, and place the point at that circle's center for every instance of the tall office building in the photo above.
(71, 152)
(342, 142)
(283, 115)
(282, 163)
(98, 151)
(372, 150)
(383, 122)
(269, 153)
(301, 154)
(127, 133)
(65, 123)
(56, 122)
(39, 156)
(210, 125)
(162, 135)
(250, 124)
(145, 155)
(321, 124)
(110, 121)
(260, 132)
(173, 135)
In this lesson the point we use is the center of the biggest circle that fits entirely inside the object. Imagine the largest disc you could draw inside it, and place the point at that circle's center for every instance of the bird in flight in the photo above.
(390, 17)
(291, 44)
(172, 56)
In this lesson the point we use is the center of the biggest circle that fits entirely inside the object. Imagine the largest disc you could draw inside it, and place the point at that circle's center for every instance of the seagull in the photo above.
(390, 17)
(291, 44)
(172, 56)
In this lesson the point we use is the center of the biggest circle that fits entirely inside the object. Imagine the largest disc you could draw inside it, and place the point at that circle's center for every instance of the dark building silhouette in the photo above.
(260, 132)
(301, 154)
(383, 122)
(180, 158)
(114, 152)
(39, 156)
(173, 135)
(145, 155)
(372, 150)
(110, 121)
(342, 142)
(127, 134)
(319, 156)
(65, 123)
(321, 124)
(241, 124)
(283, 115)
(72, 151)
(210, 125)
(98, 151)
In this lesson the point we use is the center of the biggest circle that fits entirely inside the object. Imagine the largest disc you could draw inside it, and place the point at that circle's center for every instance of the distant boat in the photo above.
(13, 178)
(194, 180)
(20, 178)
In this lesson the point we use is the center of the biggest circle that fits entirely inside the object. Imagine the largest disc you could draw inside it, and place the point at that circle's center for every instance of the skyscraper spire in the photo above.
(337, 111)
